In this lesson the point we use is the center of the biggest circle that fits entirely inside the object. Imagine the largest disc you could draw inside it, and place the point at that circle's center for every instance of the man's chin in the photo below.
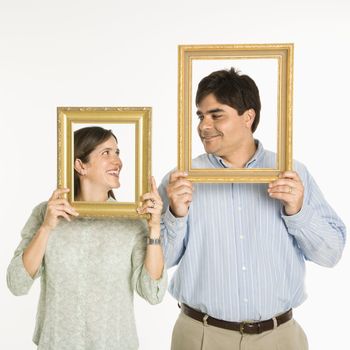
(211, 150)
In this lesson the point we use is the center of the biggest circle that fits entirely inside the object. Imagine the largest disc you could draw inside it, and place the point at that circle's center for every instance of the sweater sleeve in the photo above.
(151, 290)
(18, 279)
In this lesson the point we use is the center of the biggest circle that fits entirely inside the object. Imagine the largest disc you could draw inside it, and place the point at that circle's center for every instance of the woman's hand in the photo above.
(57, 207)
(152, 204)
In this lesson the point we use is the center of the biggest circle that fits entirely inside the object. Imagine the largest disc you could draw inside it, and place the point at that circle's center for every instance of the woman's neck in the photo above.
(88, 194)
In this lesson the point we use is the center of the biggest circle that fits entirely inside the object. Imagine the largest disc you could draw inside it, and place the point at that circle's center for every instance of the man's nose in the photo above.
(206, 123)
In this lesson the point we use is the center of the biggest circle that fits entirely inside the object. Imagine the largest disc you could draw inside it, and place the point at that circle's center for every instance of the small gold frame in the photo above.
(284, 54)
(140, 117)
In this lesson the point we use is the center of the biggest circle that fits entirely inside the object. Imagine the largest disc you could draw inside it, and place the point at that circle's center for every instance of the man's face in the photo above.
(222, 131)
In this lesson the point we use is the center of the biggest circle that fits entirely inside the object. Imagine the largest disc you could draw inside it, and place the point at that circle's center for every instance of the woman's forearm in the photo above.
(34, 253)
(154, 261)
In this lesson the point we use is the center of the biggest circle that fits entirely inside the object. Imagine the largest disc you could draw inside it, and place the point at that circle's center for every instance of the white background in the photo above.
(114, 53)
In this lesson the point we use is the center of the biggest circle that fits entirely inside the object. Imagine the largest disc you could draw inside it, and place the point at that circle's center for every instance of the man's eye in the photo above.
(105, 152)
(200, 117)
(117, 152)
(217, 116)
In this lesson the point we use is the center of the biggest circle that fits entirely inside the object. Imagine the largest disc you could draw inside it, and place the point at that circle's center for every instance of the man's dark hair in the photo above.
(85, 141)
(230, 88)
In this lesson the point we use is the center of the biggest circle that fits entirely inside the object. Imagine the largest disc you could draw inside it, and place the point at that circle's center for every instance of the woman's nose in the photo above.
(116, 160)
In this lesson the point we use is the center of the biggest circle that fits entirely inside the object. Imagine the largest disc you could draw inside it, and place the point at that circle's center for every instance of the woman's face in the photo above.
(104, 165)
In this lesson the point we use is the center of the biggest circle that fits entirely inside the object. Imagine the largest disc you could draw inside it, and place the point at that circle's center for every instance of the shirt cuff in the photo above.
(300, 219)
(172, 221)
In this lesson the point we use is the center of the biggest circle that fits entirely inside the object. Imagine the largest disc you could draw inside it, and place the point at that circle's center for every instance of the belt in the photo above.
(242, 327)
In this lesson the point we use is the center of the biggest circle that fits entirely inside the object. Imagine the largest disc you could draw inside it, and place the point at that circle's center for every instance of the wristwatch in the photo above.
(153, 240)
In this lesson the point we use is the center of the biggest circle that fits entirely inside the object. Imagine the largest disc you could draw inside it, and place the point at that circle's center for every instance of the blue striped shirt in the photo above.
(239, 257)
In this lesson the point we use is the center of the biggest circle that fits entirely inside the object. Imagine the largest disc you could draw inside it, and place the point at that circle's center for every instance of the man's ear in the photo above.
(249, 117)
(79, 167)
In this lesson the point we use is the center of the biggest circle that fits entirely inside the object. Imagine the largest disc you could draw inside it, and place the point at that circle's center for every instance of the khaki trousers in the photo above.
(189, 334)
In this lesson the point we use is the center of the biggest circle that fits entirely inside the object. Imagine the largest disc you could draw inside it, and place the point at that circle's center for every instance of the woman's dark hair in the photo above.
(85, 141)
(237, 91)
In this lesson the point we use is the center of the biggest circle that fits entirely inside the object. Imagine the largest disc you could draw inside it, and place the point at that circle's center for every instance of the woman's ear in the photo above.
(79, 167)
(249, 116)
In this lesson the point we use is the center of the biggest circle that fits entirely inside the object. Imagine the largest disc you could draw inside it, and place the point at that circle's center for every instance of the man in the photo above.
(241, 248)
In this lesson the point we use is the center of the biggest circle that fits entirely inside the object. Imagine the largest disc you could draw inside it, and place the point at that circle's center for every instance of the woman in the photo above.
(89, 267)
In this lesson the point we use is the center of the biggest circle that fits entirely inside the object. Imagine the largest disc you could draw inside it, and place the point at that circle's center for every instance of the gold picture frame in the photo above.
(133, 121)
(191, 56)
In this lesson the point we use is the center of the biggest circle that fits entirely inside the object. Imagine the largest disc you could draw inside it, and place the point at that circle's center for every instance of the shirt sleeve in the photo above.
(318, 230)
(173, 229)
(18, 279)
(148, 288)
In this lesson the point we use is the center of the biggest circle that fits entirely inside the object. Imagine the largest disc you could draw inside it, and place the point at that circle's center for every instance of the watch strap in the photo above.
(153, 240)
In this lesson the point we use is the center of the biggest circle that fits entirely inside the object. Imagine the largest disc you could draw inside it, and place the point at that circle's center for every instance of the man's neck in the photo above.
(240, 157)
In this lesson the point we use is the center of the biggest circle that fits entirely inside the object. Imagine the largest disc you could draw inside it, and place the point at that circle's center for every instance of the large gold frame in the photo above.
(141, 118)
(284, 54)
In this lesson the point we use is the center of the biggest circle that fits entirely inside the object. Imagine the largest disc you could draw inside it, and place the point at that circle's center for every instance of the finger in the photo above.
(153, 211)
(283, 189)
(179, 191)
(59, 201)
(177, 175)
(285, 198)
(150, 196)
(63, 215)
(70, 210)
(150, 204)
(185, 198)
(283, 182)
(181, 182)
(290, 175)
(145, 210)
(58, 192)
(154, 188)
(63, 203)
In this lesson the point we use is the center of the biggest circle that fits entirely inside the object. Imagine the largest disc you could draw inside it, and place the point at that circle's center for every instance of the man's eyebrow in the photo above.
(211, 111)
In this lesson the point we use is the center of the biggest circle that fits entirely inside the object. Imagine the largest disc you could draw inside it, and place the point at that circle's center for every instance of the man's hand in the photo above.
(179, 192)
(289, 189)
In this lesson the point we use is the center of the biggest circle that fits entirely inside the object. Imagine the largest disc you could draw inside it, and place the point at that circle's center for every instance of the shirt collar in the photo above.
(254, 162)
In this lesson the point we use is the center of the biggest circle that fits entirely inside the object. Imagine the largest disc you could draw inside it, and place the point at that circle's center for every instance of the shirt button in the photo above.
(239, 208)
(241, 237)
(244, 268)
(245, 300)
